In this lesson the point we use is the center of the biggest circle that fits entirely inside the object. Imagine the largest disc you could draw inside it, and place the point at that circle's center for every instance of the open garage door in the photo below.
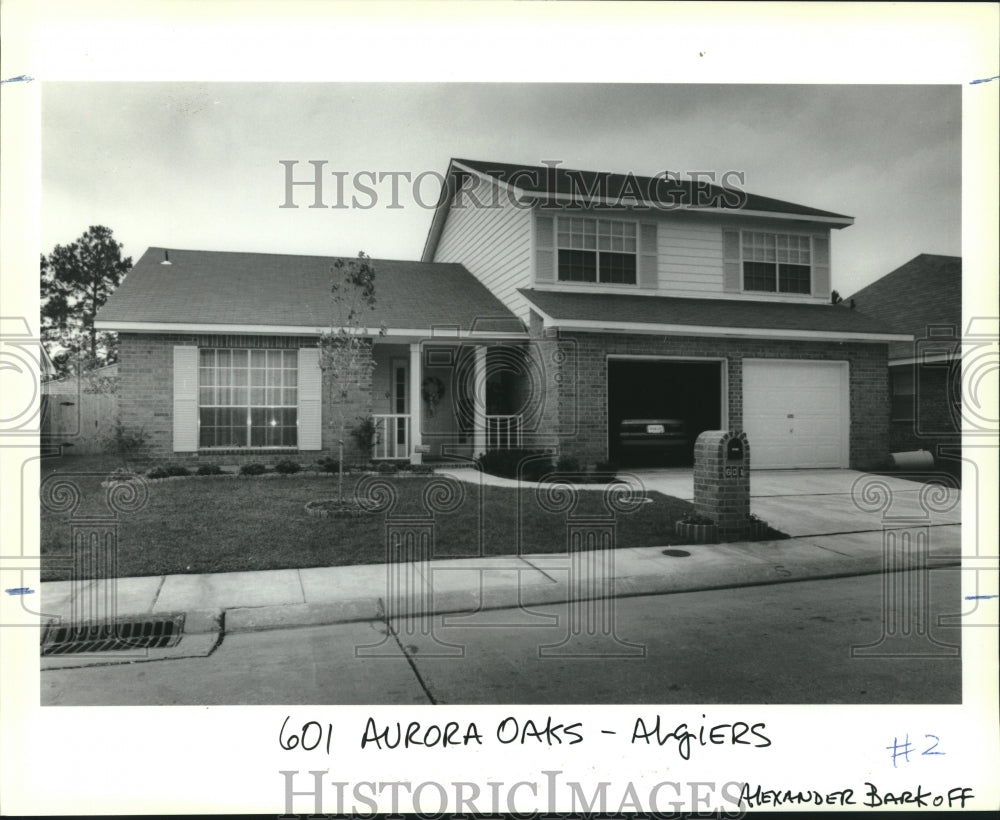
(658, 407)
(796, 413)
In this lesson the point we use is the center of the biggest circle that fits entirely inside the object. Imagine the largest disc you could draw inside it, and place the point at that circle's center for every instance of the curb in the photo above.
(468, 602)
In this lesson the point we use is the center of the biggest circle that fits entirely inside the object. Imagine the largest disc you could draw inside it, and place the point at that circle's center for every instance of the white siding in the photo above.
(494, 243)
(690, 258)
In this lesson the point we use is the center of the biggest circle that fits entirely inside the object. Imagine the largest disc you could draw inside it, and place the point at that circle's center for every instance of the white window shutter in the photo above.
(821, 266)
(732, 267)
(185, 398)
(648, 273)
(545, 251)
(310, 400)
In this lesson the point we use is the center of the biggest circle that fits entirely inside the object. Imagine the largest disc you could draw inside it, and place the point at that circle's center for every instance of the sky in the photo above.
(198, 165)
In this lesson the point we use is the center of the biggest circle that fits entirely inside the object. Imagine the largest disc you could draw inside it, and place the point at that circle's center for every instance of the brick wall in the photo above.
(146, 397)
(583, 376)
(724, 499)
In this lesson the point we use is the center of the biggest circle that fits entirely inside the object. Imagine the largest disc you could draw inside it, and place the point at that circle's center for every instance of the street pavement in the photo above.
(819, 642)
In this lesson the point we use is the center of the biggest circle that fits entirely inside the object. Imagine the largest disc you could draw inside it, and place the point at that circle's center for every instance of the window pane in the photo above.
(229, 387)
(577, 266)
(794, 279)
(759, 276)
(618, 268)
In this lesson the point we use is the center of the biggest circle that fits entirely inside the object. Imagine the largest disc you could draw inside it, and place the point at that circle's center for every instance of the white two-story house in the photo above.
(550, 308)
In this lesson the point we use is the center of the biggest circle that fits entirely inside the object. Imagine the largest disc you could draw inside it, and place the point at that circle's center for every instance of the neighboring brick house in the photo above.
(529, 321)
(922, 298)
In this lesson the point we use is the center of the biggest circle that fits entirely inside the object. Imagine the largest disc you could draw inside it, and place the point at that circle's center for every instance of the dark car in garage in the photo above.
(653, 440)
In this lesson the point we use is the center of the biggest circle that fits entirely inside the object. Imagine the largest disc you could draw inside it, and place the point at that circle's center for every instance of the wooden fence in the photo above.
(79, 422)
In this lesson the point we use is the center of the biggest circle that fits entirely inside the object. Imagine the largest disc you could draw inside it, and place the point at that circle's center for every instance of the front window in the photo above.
(776, 263)
(597, 250)
(248, 398)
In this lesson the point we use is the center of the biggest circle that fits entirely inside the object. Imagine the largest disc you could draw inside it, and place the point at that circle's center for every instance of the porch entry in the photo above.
(479, 389)
(392, 430)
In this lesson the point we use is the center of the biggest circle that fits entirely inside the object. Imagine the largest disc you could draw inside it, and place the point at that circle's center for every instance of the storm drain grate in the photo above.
(123, 634)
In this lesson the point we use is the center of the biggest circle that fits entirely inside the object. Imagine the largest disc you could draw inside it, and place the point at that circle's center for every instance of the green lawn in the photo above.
(228, 525)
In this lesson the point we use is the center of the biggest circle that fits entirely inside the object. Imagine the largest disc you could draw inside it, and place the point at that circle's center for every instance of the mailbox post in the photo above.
(722, 481)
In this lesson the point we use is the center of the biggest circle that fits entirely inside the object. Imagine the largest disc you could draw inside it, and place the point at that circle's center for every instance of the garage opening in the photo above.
(657, 408)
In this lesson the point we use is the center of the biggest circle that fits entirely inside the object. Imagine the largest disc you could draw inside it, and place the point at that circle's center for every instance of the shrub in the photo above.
(124, 441)
(177, 470)
(254, 468)
(209, 469)
(386, 467)
(121, 474)
(363, 434)
(692, 518)
(604, 471)
(420, 469)
(157, 472)
(287, 467)
(567, 464)
(506, 463)
(328, 465)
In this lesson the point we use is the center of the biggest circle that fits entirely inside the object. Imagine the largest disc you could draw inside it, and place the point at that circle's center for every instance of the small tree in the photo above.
(346, 348)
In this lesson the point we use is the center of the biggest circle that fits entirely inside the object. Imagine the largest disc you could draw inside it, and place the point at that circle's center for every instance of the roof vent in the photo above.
(166, 258)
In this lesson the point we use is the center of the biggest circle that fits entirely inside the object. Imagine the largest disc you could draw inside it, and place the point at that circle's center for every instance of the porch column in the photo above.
(479, 402)
(416, 405)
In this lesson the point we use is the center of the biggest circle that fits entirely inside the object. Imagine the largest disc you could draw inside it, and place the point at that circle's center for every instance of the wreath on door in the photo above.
(431, 391)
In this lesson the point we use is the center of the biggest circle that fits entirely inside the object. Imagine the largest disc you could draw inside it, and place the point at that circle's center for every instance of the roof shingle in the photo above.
(214, 287)
(925, 291)
(657, 190)
(721, 313)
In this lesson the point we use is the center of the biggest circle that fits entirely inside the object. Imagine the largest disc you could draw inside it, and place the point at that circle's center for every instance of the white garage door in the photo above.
(796, 413)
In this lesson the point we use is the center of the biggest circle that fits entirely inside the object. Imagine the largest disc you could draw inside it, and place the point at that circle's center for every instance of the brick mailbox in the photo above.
(722, 481)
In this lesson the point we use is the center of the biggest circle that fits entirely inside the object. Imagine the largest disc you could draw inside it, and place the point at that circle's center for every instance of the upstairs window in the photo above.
(776, 263)
(597, 250)
(247, 398)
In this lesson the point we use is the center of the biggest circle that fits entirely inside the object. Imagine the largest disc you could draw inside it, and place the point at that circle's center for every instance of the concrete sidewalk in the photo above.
(249, 601)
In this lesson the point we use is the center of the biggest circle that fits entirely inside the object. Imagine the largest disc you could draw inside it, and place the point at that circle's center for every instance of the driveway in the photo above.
(827, 502)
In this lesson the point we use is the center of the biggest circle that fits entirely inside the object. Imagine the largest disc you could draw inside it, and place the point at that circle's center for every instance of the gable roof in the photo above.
(276, 293)
(925, 291)
(547, 184)
(704, 317)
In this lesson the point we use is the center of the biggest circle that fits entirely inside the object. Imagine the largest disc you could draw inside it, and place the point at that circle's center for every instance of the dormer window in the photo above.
(776, 263)
(596, 250)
